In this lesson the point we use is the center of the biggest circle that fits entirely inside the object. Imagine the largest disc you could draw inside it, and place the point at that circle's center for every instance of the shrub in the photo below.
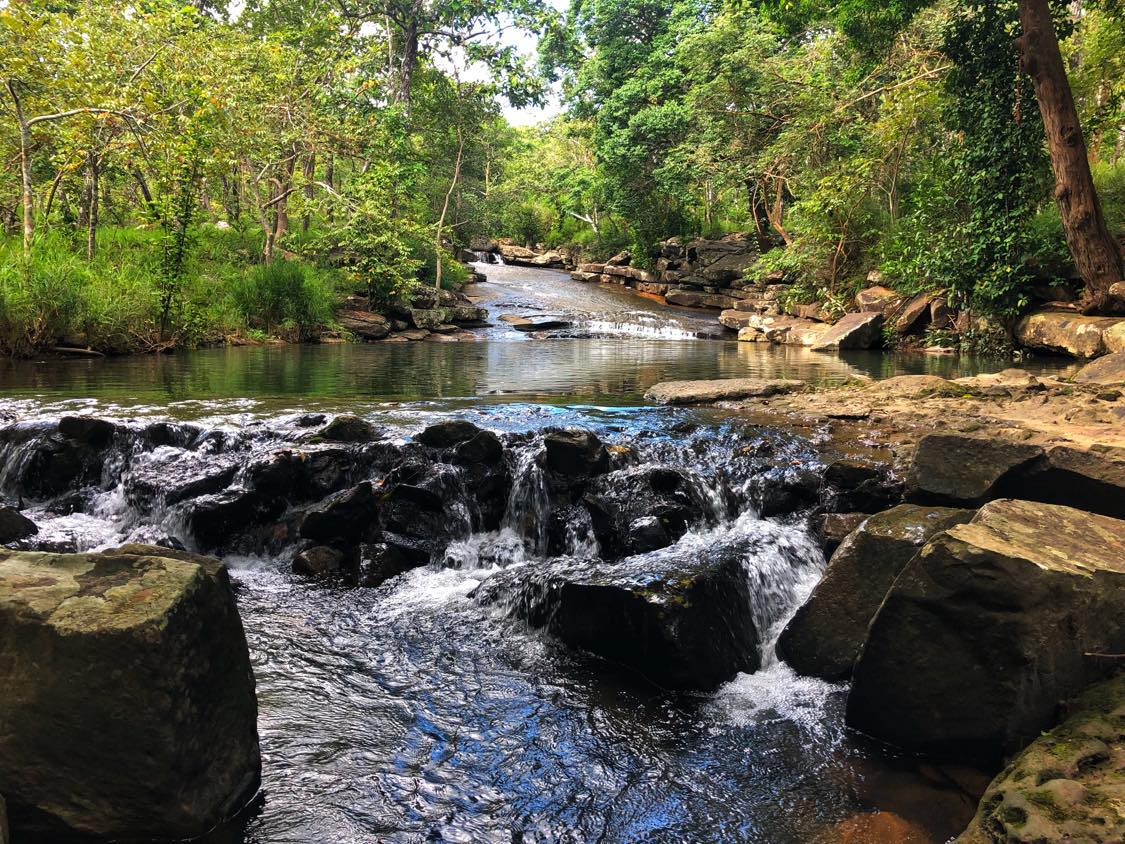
(284, 294)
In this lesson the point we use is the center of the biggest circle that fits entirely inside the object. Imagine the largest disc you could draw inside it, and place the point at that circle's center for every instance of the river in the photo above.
(413, 712)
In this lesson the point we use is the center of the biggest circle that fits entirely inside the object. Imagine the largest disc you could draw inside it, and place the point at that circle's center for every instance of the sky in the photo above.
(526, 42)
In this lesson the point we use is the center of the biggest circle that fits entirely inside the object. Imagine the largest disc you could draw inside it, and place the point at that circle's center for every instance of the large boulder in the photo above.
(574, 453)
(1105, 370)
(14, 525)
(989, 627)
(363, 324)
(825, 635)
(1068, 785)
(1069, 333)
(725, 389)
(344, 518)
(965, 470)
(683, 624)
(128, 710)
(852, 331)
(347, 428)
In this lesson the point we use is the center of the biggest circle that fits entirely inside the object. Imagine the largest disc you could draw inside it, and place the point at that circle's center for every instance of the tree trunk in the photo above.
(92, 194)
(329, 179)
(309, 173)
(1095, 251)
(407, 63)
(445, 206)
(28, 197)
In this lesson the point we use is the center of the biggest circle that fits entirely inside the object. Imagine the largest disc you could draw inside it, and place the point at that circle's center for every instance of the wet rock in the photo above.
(623, 506)
(216, 521)
(318, 561)
(147, 647)
(347, 428)
(574, 453)
(1067, 785)
(682, 624)
(180, 479)
(380, 561)
(1069, 333)
(472, 444)
(175, 434)
(825, 635)
(425, 504)
(343, 519)
(860, 486)
(988, 627)
(56, 465)
(726, 389)
(781, 490)
(852, 331)
(961, 469)
(834, 528)
(1105, 370)
(97, 433)
(14, 525)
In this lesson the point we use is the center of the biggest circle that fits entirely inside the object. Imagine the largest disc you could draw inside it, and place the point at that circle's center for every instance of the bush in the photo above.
(285, 294)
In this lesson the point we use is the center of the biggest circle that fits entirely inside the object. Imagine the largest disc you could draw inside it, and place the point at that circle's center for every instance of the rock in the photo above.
(1067, 785)
(941, 316)
(217, 520)
(343, 519)
(520, 323)
(139, 720)
(726, 389)
(1068, 332)
(592, 269)
(470, 443)
(875, 828)
(852, 331)
(966, 470)
(87, 430)
(466, 315)
(1105, 370)
(574, 453)
(988, 627)
(550, 259)
(860, 486)
(963, 470)
(430, 319)
(447, 434)
(619, 260)
(379, 562)
(512, 253)
(914, 316)
(624, 504)
(347, 428)
(834, 528)
(824, 637)
(729, 267)
(782, 490)
(14, 525)
(737, 318)
(690, 298)
(683, 624)
(877, 299)
(318, 561)
(578, 275)
(363, 324)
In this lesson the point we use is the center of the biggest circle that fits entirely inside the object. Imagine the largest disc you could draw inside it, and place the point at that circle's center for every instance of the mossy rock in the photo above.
(1067, 785)
(128, 709)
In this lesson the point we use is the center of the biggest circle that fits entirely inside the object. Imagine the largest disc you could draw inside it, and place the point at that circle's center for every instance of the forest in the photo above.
(179, 175)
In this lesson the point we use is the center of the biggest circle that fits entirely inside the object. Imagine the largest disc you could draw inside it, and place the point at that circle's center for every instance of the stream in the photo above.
(414, 711)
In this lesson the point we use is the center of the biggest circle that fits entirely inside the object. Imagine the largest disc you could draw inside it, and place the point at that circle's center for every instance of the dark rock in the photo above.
(825, 635)
(344, 519)
(681, 624)
(176, 434)
(988, 627)
(780, 491)
(448, 434)
(574, 453)
(349, 429)
(380, 561)
(178, 480)
(859, 486)
(318, 561)
(139, 721)
(1092, 480)
(216, 520)
(14, 525)
(97, 433)
(622, 502)
(55, 466)
(310, 420)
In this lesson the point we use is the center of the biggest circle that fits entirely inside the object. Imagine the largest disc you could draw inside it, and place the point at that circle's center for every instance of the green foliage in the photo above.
(284, 294)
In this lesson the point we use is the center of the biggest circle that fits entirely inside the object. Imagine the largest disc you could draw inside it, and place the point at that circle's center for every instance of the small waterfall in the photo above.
(489, 257)
(529, 505)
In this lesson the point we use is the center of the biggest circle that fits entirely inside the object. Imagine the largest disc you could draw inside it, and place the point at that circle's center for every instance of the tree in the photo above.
(1095, 251)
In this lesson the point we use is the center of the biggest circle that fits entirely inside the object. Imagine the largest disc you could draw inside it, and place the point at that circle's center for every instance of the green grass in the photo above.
(55, 297)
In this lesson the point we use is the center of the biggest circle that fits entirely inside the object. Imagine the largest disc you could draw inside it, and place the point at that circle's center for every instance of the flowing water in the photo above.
(416, 711)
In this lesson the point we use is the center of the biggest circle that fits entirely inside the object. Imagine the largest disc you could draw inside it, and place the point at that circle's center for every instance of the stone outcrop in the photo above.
(1070, 333)
(681, 624)
(1108, 370)
(726, 389)
(1067, 785)
(128, 709)
(852, 331)
(988, 627)
(825, 635)
(364, 324)
(963, 470)
(14, 525)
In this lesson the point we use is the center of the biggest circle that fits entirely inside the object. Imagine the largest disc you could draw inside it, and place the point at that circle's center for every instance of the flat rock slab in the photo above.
(128, 708)
(1105, 370)
(727, 389)
(1068, 785)
(521, 323)
(853, 331)
(989, 627)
